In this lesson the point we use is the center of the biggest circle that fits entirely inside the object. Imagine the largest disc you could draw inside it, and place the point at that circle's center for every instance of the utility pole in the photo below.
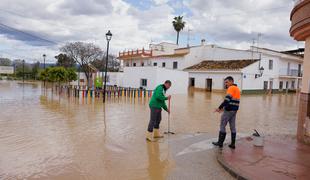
(252, 50)
(44, 55)
(258, 36)
(260, 55)
(23, 71)
(188, 36)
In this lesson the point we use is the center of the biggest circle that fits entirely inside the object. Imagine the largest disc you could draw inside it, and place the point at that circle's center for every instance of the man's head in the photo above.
(229, 81)
(167, 84)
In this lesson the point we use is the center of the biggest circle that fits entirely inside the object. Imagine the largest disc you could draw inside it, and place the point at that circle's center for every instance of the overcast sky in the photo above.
(33, 27)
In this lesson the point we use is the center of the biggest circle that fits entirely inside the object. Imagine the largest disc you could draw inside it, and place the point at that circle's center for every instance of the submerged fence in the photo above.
(111, 91)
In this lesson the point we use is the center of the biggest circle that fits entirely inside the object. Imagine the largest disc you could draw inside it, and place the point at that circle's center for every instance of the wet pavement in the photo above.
(279, 159)
(46, 136)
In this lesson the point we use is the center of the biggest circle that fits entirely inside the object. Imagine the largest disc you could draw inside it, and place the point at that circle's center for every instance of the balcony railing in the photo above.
(135, 53)
(290, 72)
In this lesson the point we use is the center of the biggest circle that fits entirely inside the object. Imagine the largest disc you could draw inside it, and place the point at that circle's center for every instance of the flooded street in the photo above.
(45, 136)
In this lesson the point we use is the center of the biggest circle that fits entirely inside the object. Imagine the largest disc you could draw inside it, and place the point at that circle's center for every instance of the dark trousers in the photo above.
(154, 119)
(228, 117)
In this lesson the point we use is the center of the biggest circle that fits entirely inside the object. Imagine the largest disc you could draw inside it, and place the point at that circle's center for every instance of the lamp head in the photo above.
(108, 35)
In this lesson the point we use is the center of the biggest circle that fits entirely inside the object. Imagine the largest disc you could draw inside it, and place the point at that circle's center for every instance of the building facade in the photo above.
(206, 66)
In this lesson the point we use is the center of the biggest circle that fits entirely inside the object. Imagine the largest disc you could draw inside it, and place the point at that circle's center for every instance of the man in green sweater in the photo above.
(156, 104)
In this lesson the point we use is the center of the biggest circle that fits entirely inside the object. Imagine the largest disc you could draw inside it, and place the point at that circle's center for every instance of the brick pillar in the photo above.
(303, 130)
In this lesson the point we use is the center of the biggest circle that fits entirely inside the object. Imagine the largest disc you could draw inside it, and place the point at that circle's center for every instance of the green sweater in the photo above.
(158, 98)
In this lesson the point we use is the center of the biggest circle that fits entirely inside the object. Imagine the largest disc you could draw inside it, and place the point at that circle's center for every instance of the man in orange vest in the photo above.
(229, 107)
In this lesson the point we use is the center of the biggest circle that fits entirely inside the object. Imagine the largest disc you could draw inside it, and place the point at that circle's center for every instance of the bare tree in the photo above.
(83, 54)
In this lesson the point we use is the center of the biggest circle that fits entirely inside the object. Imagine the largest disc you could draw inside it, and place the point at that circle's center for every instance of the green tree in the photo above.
(71, 75)
(83, 54)
(44, 74)
(57, 74)
(35, 70)
(178, 25)
(113, 63)
(65, 61)
(5, 62)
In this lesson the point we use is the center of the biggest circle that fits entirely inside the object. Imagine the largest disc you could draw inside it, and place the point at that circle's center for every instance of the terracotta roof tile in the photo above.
(221, 65)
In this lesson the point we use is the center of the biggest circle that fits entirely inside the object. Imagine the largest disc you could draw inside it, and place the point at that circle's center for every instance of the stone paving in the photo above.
(279, 159)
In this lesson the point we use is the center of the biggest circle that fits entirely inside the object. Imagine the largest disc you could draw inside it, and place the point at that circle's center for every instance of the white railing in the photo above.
(289, 72)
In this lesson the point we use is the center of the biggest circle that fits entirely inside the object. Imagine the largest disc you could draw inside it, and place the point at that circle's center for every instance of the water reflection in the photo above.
(47, 136)
(157, 168)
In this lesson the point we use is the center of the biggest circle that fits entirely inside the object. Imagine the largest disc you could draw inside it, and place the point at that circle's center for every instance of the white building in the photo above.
(272, 71)
(6, 70)
(206, 66)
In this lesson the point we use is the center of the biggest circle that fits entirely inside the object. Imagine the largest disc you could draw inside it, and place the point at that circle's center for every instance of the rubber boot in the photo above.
(149, 136)
(233, 141)
(221, 140)
(157, 134)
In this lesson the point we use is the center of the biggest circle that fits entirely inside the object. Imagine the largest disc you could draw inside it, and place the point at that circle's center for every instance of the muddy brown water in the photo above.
(46, 136)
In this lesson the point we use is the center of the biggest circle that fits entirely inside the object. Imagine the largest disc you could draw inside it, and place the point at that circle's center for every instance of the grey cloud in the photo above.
(87, 7)
(240, 21)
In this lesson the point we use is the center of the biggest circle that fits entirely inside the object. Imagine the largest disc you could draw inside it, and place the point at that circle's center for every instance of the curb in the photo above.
(232, 171)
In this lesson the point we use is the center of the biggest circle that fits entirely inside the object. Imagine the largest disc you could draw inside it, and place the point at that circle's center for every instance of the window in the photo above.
(142, 64)
(155, 64)
(270, 64)
(175, 65)
(281, 85)
(134, 64)
(164, 64)
(271, 85)
(293, 85)
(265, 85)
(143, 82)
(286, 85)
(127, 64)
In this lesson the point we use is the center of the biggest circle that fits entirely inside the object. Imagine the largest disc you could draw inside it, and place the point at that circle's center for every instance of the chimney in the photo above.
(203, 41)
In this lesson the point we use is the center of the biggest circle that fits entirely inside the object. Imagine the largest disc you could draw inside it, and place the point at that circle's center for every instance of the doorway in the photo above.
(209, 85)
(265, 85)
(191, 82)
(270, 86)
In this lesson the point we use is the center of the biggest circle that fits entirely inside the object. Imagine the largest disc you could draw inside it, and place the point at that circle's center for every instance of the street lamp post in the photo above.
(44, 55)
(23, 71)
(108, 37)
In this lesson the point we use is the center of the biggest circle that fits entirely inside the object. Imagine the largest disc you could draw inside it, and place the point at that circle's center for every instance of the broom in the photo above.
(169, 132)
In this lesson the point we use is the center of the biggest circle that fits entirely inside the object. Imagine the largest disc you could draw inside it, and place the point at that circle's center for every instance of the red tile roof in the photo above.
(221, 65)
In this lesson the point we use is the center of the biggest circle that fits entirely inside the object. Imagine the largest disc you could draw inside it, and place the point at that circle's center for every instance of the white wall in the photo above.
(217, 79)
(6, 70)
(132, 78)
(279, 64)
(133, 75)
(179, 80)
(115, 78)
(163, 48)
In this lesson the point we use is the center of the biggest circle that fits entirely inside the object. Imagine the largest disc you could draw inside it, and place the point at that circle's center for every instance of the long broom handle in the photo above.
(169, 115)
(169, 104)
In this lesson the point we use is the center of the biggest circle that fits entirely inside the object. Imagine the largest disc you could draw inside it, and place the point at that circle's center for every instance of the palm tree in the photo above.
(178, 25)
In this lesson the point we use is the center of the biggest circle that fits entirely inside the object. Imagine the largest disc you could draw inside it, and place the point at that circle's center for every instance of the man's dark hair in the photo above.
(168, 82)
(229, 78)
